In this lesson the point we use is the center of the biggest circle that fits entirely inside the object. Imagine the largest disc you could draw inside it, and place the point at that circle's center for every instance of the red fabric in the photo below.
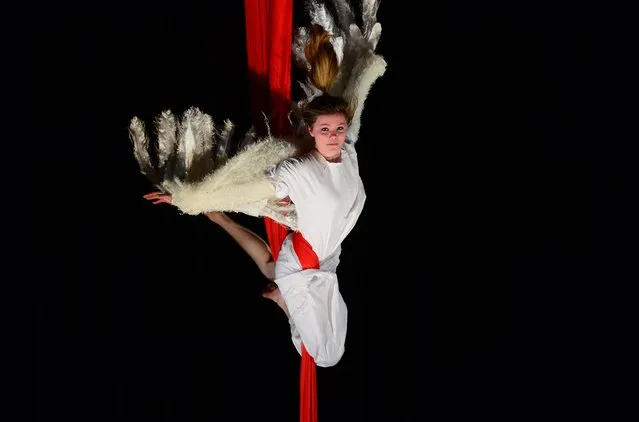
(308, 376)
(269, 38)
(304, 251)
(276, 234)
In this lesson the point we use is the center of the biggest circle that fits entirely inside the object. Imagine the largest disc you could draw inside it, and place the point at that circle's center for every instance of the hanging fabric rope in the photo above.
(269, 38)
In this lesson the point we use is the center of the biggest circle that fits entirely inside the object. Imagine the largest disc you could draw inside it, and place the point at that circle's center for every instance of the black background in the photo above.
(459, 276)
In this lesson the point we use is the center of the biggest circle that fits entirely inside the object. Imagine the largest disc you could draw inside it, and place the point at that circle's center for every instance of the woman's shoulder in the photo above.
(297, 161)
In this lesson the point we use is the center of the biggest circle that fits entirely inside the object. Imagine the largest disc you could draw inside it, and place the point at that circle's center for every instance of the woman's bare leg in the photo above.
(252, 244)
(257, 249)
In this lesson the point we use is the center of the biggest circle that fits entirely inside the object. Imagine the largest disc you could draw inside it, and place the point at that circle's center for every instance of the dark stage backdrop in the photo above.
(143, 314)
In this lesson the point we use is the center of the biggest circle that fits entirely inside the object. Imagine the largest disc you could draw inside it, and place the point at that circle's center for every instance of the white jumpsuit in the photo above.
(329, 198)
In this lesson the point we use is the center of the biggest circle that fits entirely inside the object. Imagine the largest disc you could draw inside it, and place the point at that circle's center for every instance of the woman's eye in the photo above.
(341, 128)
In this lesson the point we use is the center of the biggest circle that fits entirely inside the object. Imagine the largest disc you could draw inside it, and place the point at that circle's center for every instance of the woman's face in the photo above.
(329, 132)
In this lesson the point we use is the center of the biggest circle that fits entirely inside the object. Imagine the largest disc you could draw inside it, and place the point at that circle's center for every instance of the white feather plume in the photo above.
(166, 127)
(140, 142)
(369, 16)
(224, 140)
(344, 14)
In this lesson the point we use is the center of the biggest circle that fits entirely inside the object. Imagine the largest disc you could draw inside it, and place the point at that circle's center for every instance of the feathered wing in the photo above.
(240, 185)
(360, 65)
(197, 164)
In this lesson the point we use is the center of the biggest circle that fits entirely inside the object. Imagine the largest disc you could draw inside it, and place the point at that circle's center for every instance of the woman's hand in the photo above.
(159, 198)
(216, 216)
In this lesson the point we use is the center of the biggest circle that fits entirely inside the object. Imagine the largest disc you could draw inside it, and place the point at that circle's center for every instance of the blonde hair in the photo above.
(323, 71)
(321, 57)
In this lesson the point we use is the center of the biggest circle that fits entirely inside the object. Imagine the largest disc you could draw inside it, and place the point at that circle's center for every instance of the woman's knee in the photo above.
(329, 357)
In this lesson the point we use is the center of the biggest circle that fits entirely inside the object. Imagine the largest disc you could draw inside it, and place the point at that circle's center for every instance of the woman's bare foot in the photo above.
(273, 292)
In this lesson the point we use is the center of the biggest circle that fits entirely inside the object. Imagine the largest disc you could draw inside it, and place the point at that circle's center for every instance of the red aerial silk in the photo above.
(308, 379)
(269, 39)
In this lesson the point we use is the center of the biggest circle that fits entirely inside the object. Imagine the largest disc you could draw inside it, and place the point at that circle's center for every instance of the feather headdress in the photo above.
(359, 65)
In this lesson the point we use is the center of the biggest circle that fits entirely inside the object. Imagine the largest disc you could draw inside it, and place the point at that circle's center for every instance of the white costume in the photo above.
(329, 198)
(200, 165)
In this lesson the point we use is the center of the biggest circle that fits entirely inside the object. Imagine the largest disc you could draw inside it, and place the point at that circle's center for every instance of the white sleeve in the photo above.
(283, 177)
(351, 152)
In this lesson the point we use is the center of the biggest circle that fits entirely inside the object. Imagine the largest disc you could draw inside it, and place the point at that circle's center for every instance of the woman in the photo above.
(317, 194)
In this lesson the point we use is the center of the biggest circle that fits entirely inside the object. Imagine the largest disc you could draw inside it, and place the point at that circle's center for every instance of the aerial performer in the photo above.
(302, 179)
